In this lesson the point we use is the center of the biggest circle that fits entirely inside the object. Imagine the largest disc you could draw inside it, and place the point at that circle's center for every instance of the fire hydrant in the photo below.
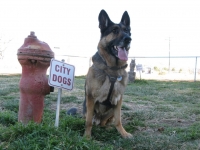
(34, 57)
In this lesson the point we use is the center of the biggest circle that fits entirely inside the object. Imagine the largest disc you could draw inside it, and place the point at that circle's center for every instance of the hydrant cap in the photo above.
(34, 47)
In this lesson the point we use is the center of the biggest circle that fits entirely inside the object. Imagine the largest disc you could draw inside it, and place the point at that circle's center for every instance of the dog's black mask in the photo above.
(119, 44)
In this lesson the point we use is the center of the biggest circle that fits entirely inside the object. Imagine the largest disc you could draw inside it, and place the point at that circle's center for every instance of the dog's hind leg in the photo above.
(118, 124)
(89, 115)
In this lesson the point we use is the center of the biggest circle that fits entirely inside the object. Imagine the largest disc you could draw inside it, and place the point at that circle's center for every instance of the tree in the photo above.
(4, 43)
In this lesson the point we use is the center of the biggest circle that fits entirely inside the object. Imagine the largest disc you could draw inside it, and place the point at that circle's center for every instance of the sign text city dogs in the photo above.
(61, 74)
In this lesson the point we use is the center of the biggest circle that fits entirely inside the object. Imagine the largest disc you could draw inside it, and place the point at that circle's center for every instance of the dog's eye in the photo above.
(115, 30)
(126, 30)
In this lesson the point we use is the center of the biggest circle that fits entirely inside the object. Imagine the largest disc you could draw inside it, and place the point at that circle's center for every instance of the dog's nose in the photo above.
(127, 40)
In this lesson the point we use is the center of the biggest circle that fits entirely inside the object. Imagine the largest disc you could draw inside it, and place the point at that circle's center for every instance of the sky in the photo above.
(72, 25)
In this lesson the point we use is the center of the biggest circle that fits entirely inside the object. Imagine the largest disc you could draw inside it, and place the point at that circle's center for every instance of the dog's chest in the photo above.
(103, 91)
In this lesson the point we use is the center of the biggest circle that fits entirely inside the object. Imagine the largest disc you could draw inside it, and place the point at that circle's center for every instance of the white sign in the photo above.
(139, 67)
(61, 75)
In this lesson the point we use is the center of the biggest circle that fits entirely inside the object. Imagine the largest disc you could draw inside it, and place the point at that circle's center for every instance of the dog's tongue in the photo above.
(122, 53)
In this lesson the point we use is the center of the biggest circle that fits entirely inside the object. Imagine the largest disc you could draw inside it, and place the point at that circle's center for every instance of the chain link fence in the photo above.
(168, 68)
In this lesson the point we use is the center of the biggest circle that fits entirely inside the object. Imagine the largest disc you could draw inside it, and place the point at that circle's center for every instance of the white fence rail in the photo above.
(162, 68)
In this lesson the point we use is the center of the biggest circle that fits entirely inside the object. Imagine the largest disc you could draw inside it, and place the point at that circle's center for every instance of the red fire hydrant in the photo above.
(34, 57)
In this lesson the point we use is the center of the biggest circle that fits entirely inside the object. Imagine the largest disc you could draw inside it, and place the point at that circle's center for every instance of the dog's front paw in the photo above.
(87, 135)
(127, 135)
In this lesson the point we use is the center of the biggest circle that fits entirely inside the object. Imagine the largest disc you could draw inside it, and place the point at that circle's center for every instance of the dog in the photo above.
(107, 78)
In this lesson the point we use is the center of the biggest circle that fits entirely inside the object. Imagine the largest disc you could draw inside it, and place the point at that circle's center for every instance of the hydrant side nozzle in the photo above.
(51, 89)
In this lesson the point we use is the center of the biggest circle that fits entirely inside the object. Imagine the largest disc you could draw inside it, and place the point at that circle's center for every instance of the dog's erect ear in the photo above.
(125, 19)
(104, 20)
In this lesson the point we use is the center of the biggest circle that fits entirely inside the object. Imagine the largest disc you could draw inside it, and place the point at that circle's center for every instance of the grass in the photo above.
(159, 114)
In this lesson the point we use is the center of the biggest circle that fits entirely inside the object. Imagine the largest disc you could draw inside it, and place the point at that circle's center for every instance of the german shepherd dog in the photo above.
(107, 78)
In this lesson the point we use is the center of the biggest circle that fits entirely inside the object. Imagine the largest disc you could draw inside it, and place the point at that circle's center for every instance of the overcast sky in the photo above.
(72, 25)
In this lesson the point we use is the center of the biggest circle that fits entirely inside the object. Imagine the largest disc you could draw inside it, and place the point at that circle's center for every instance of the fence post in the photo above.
(195, 72)
(90, 62)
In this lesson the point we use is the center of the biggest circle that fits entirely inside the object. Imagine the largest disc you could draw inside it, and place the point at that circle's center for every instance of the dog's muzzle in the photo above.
(121, 50)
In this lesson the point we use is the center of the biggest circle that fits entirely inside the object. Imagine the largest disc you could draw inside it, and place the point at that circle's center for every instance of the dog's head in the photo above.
(115, 38)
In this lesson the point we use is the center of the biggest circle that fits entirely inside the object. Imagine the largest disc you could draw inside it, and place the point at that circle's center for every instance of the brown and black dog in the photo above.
(107, 78)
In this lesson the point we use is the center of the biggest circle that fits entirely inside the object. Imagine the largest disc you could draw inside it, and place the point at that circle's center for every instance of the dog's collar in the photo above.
(112, 68)
(118, 68)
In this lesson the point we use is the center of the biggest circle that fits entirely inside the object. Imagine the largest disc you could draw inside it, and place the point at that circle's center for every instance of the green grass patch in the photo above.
(8, 118)
(11, 104)
(68, 99)
(159, 114)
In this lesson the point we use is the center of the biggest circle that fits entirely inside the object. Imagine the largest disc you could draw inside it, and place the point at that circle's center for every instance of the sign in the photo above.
(61, 75)
(139, 67)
